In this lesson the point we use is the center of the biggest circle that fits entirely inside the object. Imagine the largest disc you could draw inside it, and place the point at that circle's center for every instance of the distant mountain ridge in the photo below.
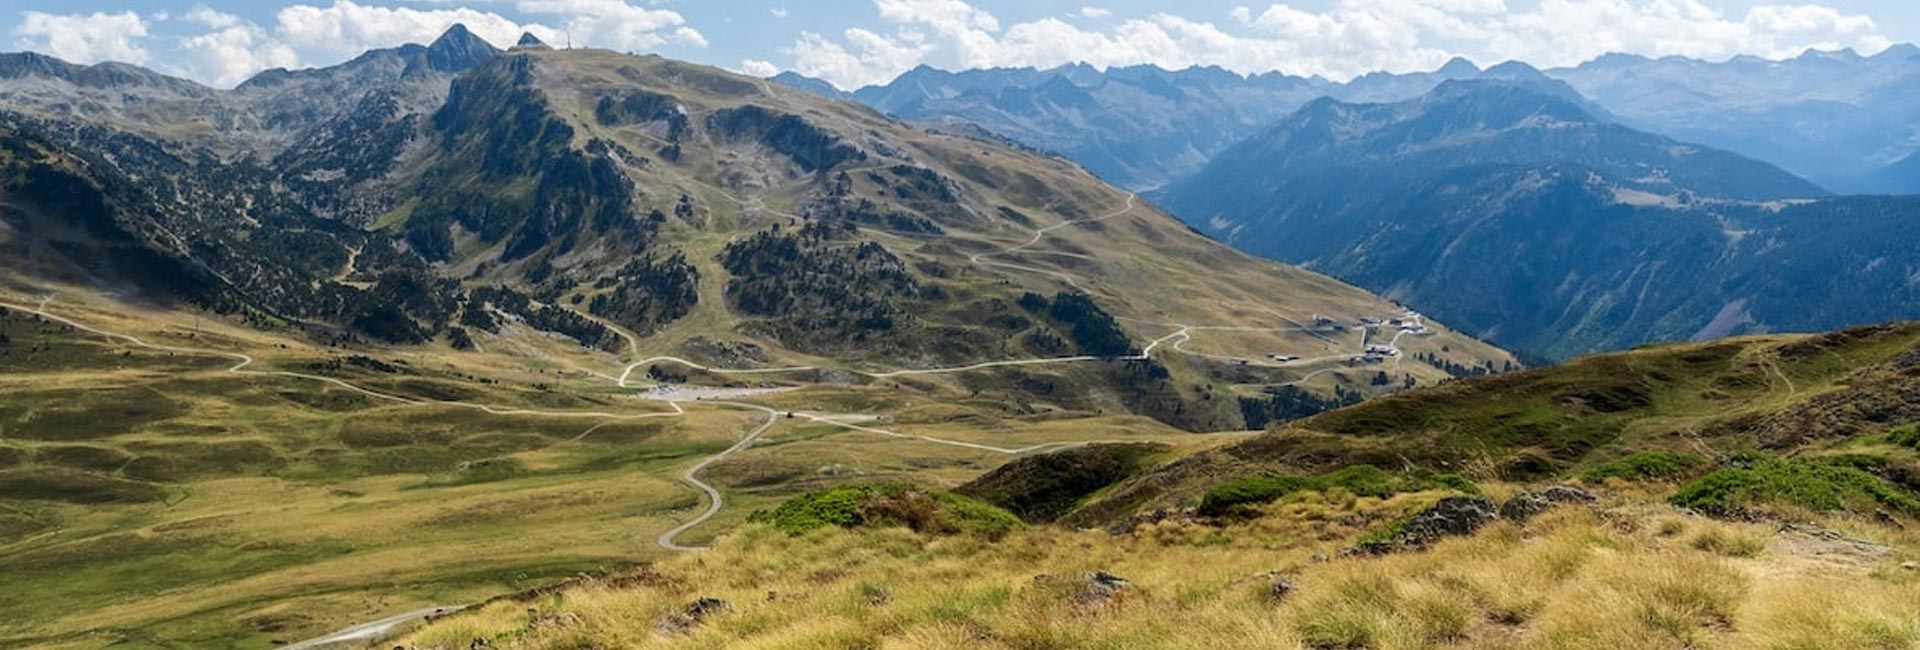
(1510, 209)
(1836, 118)
(1139, 127)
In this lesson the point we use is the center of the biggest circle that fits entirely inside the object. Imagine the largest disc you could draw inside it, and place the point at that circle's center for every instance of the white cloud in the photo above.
(759, 68)
(206, 15)
(1349, 38)
(617, 24)
(326, 35)
(778, 12)
(233, 51)
(1094, 12)
(85, 38)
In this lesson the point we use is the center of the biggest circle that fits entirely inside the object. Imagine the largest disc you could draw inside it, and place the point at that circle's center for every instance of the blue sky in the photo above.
(857, 42)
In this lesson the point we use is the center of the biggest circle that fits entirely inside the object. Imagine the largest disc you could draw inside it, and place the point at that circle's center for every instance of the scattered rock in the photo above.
(1280, 589)
(1153, 516)
(690, 617)
(1526, 505)
(1100, 589)
(1567, 494)
(1451, 516)
(540, 620)
(1910, 565)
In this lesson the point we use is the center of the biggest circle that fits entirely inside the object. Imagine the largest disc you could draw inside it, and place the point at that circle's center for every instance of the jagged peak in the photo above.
(530, 42)
(458, 50)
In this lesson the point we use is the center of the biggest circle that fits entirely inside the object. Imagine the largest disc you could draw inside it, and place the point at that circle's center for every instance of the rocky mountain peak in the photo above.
(530, 42)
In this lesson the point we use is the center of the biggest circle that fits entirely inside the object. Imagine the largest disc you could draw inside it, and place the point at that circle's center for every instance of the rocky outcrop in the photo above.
(1526, 505)
(1450, 517)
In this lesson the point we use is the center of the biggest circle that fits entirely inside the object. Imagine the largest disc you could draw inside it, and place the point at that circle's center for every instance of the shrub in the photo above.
(1646, 465)
(1363, 480)
(1822, 484)
(891, 504)
(1907, 436)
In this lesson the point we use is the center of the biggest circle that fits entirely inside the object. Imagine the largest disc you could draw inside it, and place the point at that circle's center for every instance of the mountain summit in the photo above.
(458, 50)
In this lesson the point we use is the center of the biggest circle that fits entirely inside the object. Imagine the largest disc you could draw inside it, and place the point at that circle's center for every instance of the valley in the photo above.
(447, 346)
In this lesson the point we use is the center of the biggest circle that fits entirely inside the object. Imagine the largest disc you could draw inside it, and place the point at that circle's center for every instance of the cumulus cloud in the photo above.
(1349, 38)
(85, 38)
(344, 29)
(759, 68)
(617, 24)
(1094, 12)
(224, 49)
(234, 50)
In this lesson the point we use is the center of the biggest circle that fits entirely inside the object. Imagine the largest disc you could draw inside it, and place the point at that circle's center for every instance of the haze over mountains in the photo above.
(1836, 118)
(1480, 194)
(1519, 213)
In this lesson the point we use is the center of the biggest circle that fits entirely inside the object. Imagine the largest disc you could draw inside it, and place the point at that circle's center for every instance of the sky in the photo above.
(852, 43)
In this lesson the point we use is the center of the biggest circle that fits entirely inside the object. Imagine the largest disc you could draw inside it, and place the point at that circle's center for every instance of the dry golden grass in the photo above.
(1575, 578)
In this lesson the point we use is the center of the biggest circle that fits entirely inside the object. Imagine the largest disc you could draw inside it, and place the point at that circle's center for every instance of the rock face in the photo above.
(1451, 517)
(1526, 505)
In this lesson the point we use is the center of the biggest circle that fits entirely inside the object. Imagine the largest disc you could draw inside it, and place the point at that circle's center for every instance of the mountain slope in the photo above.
(640, 206)
(1521, 215)
(1809, 396)
(1635, 500)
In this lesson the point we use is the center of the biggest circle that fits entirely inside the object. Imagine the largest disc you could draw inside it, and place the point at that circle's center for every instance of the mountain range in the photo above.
(449, 194)
(1513, 207)
(1834, 117)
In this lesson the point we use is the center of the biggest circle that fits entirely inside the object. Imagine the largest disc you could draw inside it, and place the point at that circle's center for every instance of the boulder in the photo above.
(1100, 588)
(1451, 516)
(1526, 505)
(691, 616)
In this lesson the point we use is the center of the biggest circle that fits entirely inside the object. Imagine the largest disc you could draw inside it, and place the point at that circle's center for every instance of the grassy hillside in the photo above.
(1833, 394)
(1748, 493)
(1627, 572)
(156, 498)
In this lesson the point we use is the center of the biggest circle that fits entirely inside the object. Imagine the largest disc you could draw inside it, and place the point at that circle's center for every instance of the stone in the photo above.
(1526, 505)
(1451, 516)
(691, 616)
(1100, 588)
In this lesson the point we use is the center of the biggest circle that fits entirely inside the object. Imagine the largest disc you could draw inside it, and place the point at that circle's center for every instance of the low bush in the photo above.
(1362, 480)
(1907, 436)
(1647, 466)
(1824, 484)
(891, 504)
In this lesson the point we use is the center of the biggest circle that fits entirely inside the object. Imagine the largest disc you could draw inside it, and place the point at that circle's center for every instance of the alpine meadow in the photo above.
(915, 324)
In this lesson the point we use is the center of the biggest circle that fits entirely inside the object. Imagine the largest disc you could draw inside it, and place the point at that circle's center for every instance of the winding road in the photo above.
(715, 499)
